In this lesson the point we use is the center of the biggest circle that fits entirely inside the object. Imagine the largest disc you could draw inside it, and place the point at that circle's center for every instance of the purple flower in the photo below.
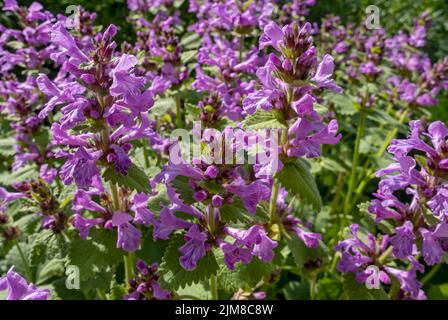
(19, 289)
(431, 249)
(83, 201)
(128, 235)
(403, 240)
(80, 167)
(311, 239)
(409, 283)
(257, 240)
(251, 194)
(121, 160)
(272, 36)
(83, 225)
(167, 223)
(194, 248)
(323, 74)
(145, 285)
(234, 254)
(61, 37)
(158, 292)
(126, 84)
(140, 207)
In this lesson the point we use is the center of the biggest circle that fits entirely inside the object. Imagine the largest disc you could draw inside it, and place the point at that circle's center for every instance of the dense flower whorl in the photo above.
(288, 83)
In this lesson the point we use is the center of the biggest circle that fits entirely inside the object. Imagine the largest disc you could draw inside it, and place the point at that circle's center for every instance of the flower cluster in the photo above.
(146, 286)
(288, 83)
(418, 224)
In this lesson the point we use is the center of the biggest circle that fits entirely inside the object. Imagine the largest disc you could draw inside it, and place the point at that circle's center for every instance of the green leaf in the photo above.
(162, 106)
(22, 174)
(197, 290)
(174, 276)
(329, 289)
(15, 45)
(237, 212)
(183, 189)
(188, 56)
(343, 104)
(52, 269)
(191, 41)
(29, 223)
(296, 178)
(95, 254)
(156, 202)
(136, 179)
(101, 280)
(13, 258)
(7, 146)
(302, 254)
(357, 291)
(263, 120)
(244, 275)
(295, 290)
(60, 291)
(117, 292)
(233, 213)
(46, 245)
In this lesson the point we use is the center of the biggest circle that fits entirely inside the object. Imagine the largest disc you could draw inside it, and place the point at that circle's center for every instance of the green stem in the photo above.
(359, 134)
(313, 286)
(369, 175)
(146, 154)
(352, 181)
(129, 267)
(179, 119)
(242, 38)
(211, 219)
(383, 258)
(28, 272)
(214, 287)
(273, 201)
(100, 293)
(187, 297)
(115, 198)
(394, 289)
(431, 274)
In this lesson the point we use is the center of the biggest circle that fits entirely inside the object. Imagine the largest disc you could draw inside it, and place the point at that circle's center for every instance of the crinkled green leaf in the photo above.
(174, 276)
(136, 179)
(183, 189)
(95, 254)
(46, 245)
(244, 275)
(263, 120)
(297, 179)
